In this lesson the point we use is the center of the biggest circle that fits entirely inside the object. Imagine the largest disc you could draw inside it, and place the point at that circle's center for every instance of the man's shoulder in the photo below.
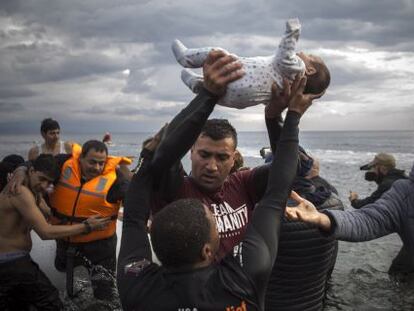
(23, 197)
(240, 176)
(33, 152)
(390, 180)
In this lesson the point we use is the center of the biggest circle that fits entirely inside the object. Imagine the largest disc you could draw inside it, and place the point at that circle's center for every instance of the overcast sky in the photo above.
(97, 65)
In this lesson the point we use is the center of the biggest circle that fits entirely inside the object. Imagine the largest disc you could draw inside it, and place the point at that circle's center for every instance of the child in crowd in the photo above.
(260, 72)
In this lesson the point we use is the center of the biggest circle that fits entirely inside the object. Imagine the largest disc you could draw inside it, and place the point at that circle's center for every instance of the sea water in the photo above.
(359, 281)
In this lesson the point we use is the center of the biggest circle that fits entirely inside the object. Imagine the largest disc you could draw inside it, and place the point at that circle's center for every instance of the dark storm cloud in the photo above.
(38, 64)
(51, 49)
(8, 107)
(13, 91)
(128, 111)
(379, 21)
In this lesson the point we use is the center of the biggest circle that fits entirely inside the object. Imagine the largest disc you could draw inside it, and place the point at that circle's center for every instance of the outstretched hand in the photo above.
(219, 70)
(298, 101)
(305, 211)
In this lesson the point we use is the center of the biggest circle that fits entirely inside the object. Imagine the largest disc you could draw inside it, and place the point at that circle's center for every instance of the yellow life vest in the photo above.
(73, 201)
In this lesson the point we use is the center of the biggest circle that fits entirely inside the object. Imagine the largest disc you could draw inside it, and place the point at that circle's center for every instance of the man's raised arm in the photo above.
(219, 70)
(261, 242)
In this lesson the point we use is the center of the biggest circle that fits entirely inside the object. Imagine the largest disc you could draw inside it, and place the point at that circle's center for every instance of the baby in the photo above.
(260, 72)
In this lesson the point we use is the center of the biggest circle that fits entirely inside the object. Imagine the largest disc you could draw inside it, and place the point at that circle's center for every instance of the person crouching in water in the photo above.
(22, 283)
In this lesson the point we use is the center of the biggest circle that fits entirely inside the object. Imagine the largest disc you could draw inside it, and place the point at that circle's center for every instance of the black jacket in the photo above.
(383, 186)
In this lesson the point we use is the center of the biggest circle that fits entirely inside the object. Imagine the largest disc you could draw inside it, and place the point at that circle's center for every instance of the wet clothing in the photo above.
(233, 203)
(6, 257)
(321, 182)
(392, 212)
(115, 193)
(74, 199)
(99, 252)
(238, 281)
(304, 263)
(383, 186)
(23, 284)
(306, 257)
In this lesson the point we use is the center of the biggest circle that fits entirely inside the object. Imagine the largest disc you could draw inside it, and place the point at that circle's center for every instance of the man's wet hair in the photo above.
(47, 164)
(218, 129)
(96, 145)
(49, 125)
(7, 166)
(318, 82)
(179, 232)
(14, 159)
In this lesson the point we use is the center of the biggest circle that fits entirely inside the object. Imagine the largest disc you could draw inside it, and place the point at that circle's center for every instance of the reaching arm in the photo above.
(182, 131)
(219, 70)
(262, 236)
(274, 123)
(135, 252)
(25, 203)
(261, 242)
(373, 221)
(358, 203)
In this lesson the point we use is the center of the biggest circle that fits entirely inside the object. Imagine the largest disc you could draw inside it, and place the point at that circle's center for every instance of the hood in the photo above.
(396, 173)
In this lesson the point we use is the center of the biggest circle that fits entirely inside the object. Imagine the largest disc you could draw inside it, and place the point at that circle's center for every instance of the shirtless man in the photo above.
(50, 131)
(21, 281)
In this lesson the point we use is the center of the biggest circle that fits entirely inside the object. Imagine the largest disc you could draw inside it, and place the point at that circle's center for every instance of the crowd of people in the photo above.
(226, 237)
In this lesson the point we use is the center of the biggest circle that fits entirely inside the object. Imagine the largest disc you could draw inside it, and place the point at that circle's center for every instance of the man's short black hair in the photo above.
(179, 232)
(95, 145)
(218, 129)
(14, 159)
(7, 166)
(47, 164)
(49, 125)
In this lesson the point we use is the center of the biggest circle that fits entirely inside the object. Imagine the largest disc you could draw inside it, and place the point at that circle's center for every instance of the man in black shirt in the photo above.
(185, 237)
(382, 170)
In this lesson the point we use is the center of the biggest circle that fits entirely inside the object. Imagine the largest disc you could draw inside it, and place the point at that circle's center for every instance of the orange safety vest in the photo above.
(73, 202)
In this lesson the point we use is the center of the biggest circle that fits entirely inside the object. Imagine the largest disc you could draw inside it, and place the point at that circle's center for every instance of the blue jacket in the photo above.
(393, 212)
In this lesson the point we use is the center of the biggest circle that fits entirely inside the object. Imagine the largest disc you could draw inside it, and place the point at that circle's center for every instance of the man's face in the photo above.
(211, 161)
(39, 182)
(92, 164)
(51, 136)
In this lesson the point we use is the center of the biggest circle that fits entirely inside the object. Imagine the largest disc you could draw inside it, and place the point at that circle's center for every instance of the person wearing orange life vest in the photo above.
(91, 183)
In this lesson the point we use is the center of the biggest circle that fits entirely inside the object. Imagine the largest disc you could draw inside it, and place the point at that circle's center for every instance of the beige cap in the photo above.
(384, 159)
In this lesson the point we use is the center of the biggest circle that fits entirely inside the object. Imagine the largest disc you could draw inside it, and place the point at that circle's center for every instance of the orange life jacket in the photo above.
(73, 201)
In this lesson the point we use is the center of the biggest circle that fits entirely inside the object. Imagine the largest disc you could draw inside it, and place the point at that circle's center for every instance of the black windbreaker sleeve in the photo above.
(135, 247)
(182, 132)
(274, 128)
(260, 175)
(259, 248)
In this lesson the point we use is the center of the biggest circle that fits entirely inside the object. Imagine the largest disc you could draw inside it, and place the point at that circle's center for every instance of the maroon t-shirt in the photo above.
(231, 205)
